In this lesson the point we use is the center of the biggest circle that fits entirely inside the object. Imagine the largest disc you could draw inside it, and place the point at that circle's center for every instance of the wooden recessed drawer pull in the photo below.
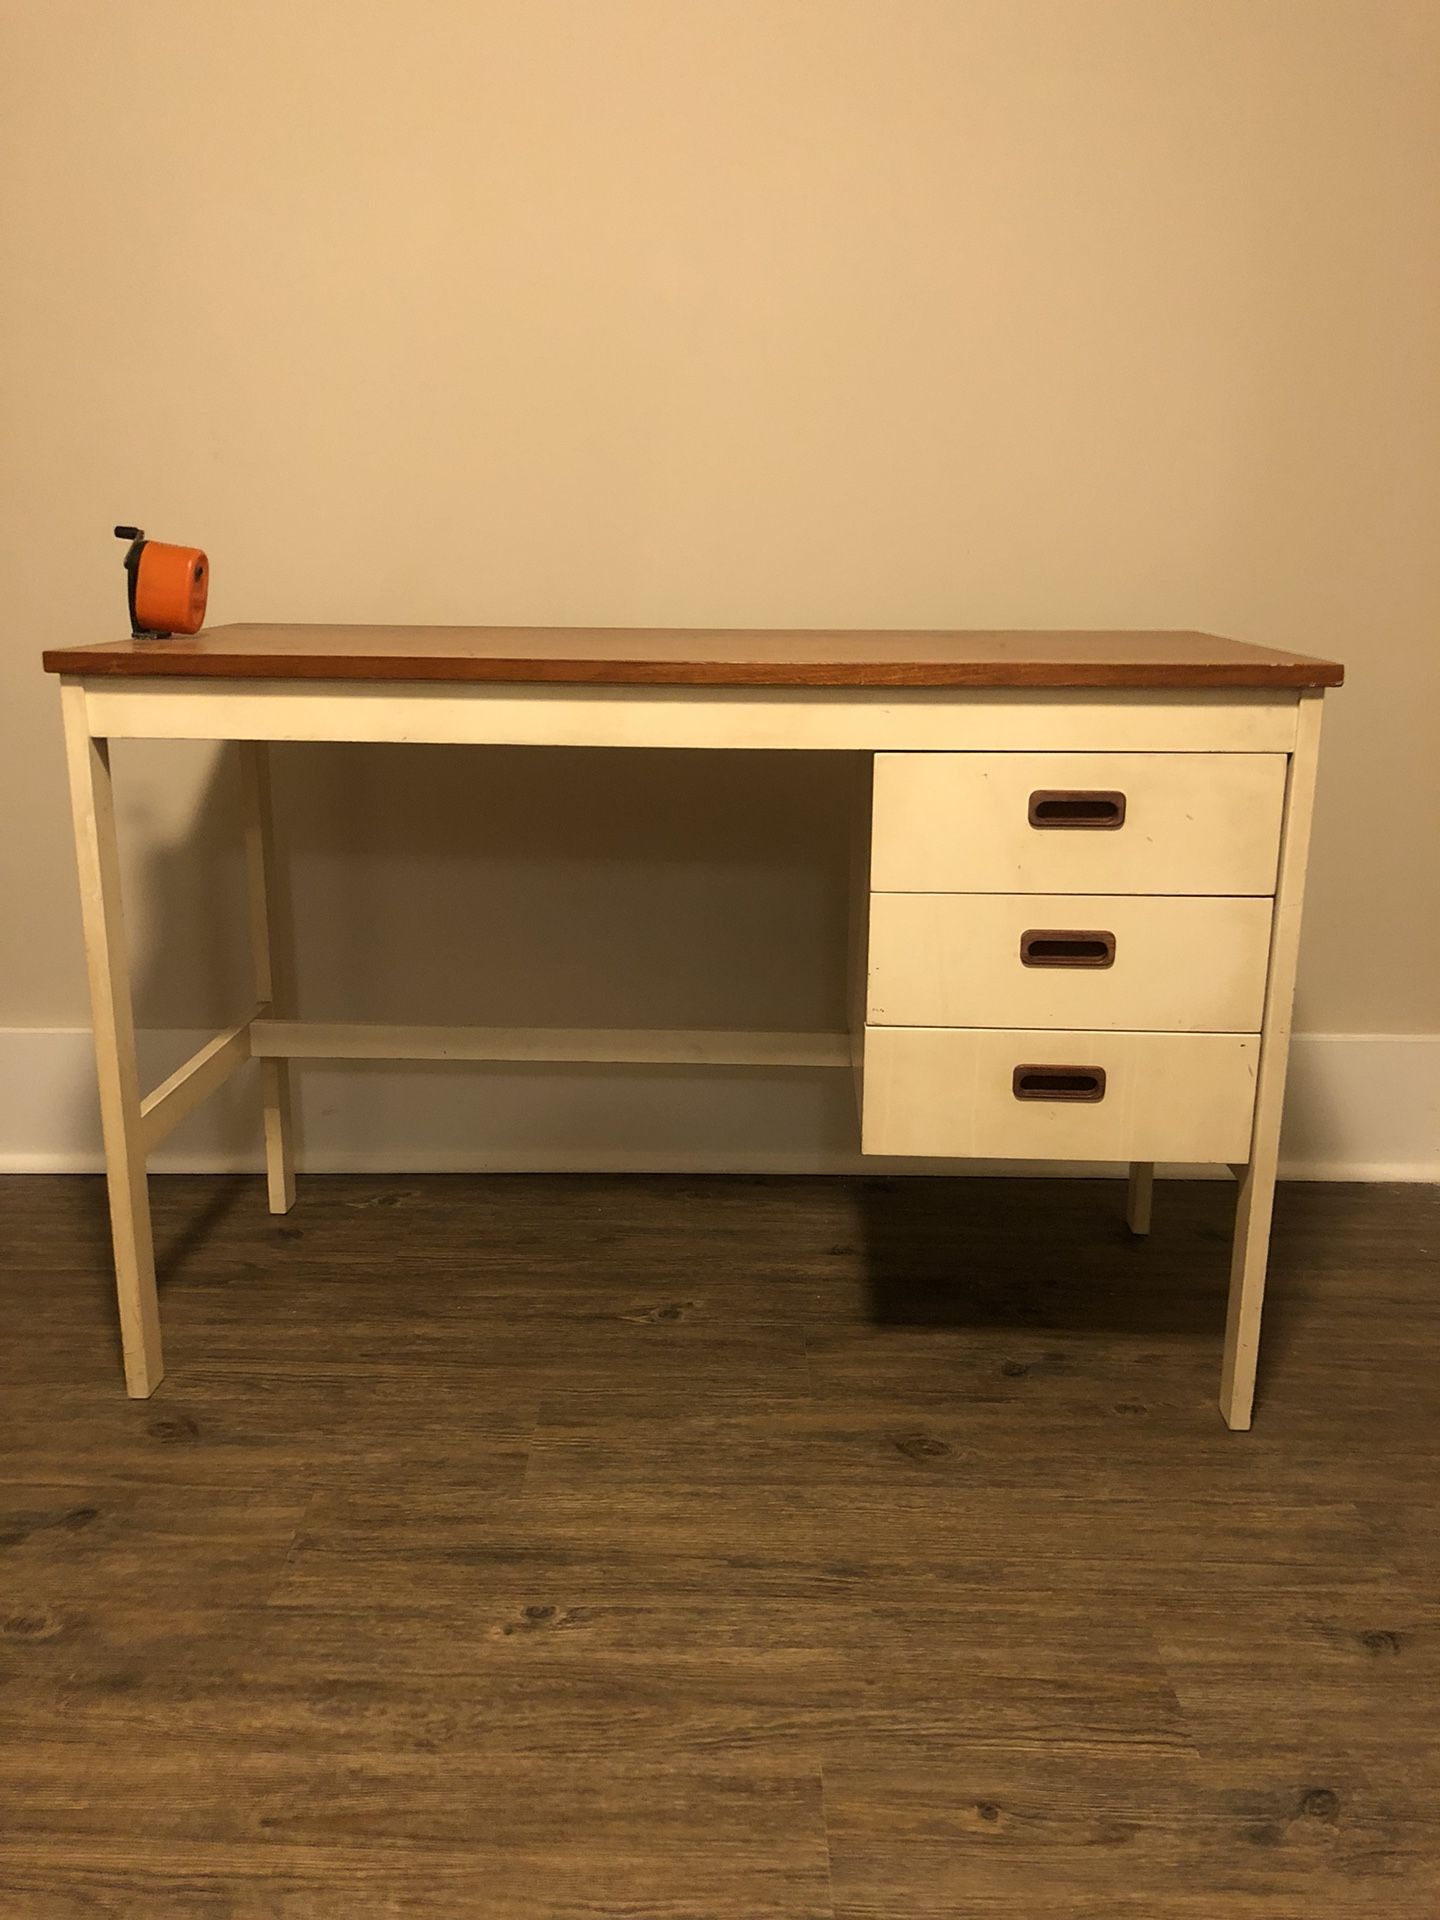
(1059, 1083)
(1066, 947)
(1058, 807)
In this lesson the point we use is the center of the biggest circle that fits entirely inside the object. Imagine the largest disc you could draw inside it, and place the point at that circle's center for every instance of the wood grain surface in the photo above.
(676, 657)
(664, 1549)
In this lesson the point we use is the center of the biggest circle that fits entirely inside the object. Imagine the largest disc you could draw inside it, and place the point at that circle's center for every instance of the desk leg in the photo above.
(1140, 1195)
(98, 859)
(269, 948)
(1257, 1177)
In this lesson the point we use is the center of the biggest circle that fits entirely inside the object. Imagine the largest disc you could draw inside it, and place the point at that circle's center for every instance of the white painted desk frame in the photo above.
(254, 713)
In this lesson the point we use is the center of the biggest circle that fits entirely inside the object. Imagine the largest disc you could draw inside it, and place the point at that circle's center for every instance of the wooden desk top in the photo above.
(704, 657)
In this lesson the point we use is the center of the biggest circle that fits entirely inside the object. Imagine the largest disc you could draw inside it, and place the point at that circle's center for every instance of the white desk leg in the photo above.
(97, 855)
(1139, 1195)
(269, 953)
(1257, 1178)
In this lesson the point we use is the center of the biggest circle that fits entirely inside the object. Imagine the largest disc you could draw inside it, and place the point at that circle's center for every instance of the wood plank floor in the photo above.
(666, 1549)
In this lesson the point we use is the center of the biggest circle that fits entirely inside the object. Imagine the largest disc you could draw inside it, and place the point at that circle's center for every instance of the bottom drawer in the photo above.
(999, 1094)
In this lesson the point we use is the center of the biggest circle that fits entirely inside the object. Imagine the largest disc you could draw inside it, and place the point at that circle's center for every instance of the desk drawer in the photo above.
(1068, 960)
(1014, 1095)
(1077, 822)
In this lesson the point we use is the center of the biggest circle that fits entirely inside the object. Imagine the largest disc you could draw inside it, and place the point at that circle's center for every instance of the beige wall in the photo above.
(876, 312)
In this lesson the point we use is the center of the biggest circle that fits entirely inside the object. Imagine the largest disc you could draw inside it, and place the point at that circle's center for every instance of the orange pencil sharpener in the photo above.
(168, 585)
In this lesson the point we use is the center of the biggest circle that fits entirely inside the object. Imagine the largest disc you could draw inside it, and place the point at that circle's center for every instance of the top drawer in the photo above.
(1077, 822)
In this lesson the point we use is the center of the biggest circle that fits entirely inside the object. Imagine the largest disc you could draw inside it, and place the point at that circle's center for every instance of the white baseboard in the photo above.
(1360, 1107)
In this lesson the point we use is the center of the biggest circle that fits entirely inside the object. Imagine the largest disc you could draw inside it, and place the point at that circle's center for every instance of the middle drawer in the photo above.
(1091, 961)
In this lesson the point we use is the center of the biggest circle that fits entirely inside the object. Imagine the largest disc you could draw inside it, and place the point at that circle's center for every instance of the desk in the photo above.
(1078, 879)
